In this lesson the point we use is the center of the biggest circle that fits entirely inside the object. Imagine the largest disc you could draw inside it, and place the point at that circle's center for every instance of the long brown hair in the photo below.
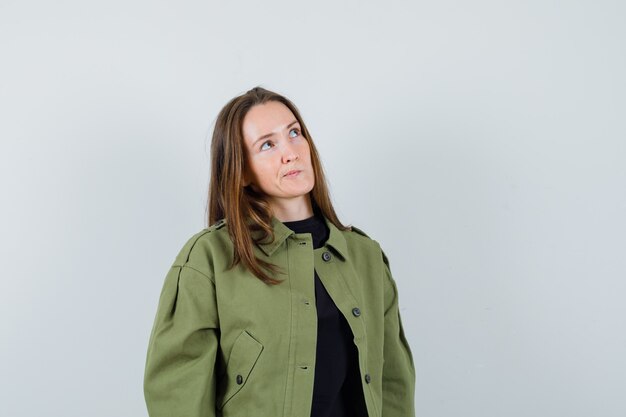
(244, 209)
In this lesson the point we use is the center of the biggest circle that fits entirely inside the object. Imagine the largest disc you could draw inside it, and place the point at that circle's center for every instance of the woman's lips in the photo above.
(292, 174)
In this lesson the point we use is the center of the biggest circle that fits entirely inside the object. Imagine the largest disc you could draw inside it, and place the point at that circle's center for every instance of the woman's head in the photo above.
(259, 137)
(277, 159)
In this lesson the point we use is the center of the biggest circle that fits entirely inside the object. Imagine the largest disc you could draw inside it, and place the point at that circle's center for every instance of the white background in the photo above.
(481, 143)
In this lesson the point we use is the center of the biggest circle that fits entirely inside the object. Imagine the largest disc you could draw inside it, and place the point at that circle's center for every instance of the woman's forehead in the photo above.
(266, 118)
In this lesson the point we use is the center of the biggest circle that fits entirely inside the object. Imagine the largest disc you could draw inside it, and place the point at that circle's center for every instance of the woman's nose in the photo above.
(289, 153)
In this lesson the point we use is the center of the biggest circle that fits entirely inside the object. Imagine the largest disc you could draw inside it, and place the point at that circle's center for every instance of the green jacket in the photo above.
(226, 344)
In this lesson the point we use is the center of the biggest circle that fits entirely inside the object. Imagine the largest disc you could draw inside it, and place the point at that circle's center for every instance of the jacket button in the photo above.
(356, 312)
(239, 380)
(326, 256)
(368, 378)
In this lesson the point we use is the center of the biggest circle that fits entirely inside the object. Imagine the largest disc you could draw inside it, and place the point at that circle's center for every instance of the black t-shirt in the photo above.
(337, 390)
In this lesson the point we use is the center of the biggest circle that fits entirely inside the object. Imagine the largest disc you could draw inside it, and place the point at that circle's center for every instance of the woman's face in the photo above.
(274, 147)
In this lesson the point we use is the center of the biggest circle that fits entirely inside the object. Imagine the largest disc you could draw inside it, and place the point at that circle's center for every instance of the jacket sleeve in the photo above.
(179, 378)
(398, 379)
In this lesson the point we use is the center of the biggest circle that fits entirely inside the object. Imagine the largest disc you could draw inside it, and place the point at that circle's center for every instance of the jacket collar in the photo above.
(336, 240)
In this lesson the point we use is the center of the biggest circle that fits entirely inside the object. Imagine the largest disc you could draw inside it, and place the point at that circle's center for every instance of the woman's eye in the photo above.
(263, 145)
(294, 130)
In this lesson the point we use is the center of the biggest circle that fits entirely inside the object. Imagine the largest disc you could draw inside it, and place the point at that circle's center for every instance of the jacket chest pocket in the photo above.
(244, 355)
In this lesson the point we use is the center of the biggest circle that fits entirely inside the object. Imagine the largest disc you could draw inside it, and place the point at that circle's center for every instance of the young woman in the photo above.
(276, 309)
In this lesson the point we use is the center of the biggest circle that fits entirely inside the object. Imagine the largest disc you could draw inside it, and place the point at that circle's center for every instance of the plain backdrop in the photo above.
(481, 143)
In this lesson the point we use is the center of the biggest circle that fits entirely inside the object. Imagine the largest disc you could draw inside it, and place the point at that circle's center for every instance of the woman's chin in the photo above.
(298, 189)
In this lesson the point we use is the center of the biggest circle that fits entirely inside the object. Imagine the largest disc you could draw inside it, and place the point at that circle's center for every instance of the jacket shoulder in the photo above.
(360, 241)
(362, 233)
(183, 255)
(217, 225)
(359, 231)
(198, 247)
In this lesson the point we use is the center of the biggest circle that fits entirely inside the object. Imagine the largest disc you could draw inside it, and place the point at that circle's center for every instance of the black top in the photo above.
(337, 390)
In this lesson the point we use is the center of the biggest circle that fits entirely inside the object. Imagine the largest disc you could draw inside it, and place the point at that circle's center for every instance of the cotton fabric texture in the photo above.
(226, 344)
(337, 390)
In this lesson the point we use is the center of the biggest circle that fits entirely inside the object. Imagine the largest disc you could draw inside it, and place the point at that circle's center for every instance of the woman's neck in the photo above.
(289, 210)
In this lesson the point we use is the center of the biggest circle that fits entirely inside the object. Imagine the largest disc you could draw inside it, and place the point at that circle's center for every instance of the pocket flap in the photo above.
(244, 355)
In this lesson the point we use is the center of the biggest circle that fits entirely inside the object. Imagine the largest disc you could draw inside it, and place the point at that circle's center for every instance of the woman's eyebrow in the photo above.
(270, 134)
